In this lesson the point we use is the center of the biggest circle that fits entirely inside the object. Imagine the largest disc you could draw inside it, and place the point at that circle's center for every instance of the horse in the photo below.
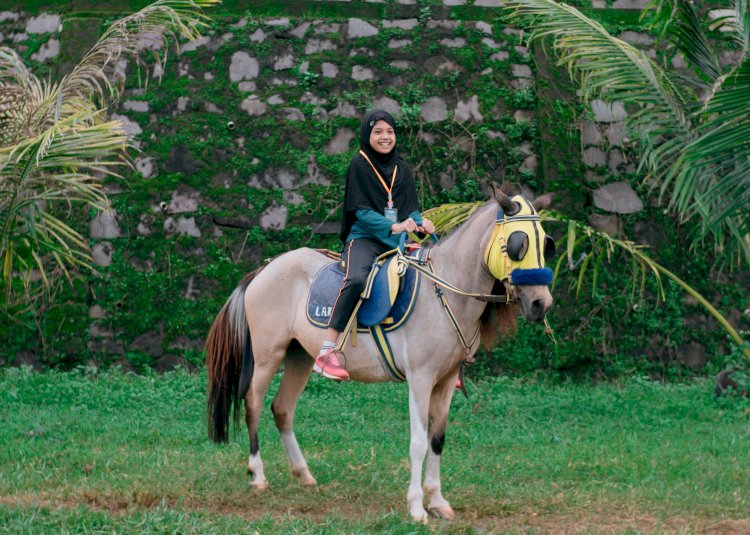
(263, 324)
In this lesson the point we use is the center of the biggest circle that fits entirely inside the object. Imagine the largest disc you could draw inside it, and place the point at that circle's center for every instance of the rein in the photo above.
(438, 282)
(428, 272)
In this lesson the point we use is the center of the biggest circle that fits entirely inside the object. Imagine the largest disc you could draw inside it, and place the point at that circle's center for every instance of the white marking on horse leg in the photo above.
(296, 459)
(418, 408)
(432, 486)
(296, 373)
(253, 409)
(439, 405)
(255, 466)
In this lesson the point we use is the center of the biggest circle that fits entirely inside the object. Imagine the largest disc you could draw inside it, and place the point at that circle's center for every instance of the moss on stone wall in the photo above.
(239, 166)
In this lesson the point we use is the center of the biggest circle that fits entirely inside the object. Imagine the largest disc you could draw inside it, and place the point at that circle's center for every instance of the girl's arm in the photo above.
(378, 226)
(374, 223)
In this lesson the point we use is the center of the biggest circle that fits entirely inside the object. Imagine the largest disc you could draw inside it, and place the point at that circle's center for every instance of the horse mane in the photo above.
(498, 319)
(508, 188)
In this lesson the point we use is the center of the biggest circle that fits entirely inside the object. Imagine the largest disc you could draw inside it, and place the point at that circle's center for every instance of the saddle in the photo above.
(387, 299)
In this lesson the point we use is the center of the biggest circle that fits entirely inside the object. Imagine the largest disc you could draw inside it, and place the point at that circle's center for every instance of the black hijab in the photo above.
(384, 162)
(363, 188)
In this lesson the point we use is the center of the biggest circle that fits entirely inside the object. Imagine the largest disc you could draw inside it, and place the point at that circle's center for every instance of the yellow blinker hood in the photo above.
(526, 220)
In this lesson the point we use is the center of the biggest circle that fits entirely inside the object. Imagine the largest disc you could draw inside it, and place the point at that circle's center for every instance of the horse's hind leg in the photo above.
(297, 369)
(262, 376)
(440, 402)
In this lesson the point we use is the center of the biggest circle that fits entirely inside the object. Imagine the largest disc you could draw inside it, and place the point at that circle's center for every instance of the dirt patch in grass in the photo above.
(594, 520)
(573, 523)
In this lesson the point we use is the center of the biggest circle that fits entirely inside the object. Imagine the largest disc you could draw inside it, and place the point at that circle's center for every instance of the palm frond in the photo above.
(698, 156)
(56, 142)
(93, 81)
(602, 245)
(603, 65)
(611, 69)
(57, 165)
(152, 27)
(712, 175)
(679, 22)
(737, 24)
(448, 216)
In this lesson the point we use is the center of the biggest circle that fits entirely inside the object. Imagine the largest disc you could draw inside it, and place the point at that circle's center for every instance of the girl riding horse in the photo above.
(380, 202)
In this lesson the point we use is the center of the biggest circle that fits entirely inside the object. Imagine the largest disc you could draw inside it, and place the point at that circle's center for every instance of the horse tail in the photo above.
(230, 362)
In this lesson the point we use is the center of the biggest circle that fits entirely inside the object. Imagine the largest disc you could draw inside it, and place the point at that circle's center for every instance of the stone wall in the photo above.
(243, 144)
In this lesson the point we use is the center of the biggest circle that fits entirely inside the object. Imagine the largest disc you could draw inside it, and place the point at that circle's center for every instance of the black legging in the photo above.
(359, 255)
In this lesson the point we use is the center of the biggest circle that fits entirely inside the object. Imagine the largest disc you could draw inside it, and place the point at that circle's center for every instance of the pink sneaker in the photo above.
(328, 365)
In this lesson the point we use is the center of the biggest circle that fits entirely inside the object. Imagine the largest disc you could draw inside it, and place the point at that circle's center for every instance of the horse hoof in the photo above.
(304, 477)
(259, 486)
(308, 482)
(420, 517)
(445, 512)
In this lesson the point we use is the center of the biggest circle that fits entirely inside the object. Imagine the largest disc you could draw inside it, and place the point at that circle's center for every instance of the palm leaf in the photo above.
(697, 156)
(738, 25)
(601, 63)
(448, 216)
(152, 27)
(609, 68)
(679, 21)
(641, 266)
(56, 142)
(712, 176)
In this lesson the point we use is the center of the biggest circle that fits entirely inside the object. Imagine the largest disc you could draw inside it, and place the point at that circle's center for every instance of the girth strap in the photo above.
(386, 353)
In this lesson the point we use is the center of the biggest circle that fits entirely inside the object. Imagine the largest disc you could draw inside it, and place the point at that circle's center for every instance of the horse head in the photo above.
(517, 250)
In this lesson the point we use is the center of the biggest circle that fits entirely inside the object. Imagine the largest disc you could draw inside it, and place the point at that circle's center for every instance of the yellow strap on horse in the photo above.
(396, 269)
(350, 329)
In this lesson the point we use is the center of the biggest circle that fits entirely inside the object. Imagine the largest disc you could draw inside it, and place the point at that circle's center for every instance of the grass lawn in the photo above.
(122, 453)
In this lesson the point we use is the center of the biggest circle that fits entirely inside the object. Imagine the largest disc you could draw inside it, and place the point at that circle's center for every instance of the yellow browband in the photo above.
(525, 220)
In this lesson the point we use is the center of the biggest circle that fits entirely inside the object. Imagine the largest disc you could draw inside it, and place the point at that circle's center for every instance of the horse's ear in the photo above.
(494, 189)
(508, 206)
(543, 202)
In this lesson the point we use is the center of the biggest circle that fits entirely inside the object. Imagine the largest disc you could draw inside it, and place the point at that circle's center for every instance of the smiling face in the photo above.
(382, 137)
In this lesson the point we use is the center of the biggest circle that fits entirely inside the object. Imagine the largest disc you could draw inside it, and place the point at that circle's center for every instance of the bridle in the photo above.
(499, 260)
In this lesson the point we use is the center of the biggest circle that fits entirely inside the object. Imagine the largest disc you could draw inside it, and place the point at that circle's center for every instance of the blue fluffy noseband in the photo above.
(531, 277)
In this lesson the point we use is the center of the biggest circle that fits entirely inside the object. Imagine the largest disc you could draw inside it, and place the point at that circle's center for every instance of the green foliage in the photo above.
(56, 143)
(152, 273)
(693, 147)
(308, 79)
(523, 99)
(424, 15)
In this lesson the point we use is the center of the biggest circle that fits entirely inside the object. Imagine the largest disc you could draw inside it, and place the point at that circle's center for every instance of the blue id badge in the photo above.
(391, 214)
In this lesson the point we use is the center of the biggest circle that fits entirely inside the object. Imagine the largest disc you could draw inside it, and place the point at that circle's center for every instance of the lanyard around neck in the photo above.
(385, 186)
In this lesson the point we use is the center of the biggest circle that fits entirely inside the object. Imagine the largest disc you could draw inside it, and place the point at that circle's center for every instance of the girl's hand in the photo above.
(427, 227)
(408, 225)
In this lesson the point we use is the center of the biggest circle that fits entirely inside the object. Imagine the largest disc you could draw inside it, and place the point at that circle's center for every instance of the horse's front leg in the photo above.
(440, 402)
(419, 402)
